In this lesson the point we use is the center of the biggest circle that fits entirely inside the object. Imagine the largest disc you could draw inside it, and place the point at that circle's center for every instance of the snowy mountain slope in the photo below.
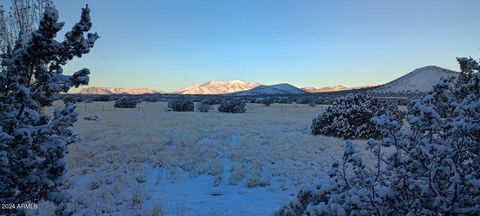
(108, 90)
(325, 89)
(216, 87)
(421, 80)
(283, 88)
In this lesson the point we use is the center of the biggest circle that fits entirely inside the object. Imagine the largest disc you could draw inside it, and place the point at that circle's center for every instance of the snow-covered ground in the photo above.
(145, 160)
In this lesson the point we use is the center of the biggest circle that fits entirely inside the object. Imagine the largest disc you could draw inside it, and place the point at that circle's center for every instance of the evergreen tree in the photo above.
(33, 144)
(429, 167)
(349, 117)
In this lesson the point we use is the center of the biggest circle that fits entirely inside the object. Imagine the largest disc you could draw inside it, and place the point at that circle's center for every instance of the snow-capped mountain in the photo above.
(217, 87)
(283, 88)
(420, 80)
(325, 89)
(108, 90)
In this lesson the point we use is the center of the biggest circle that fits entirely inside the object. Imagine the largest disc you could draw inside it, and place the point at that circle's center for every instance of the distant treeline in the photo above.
(311, 99)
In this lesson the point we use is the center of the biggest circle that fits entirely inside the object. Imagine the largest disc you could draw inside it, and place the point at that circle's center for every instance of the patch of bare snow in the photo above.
(136, 161)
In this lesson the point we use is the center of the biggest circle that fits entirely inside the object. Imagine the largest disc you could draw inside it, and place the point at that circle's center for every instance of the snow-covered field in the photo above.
(149, 160)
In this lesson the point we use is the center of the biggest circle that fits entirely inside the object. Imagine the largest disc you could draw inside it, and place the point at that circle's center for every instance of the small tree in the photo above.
(267, 101)
(431, 167)
(181, 105)
(33, 144)
(232, 106)
(125, 102)
(349, 117)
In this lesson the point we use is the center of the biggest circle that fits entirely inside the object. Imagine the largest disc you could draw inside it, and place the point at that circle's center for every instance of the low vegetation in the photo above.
(103, 98)
(203, 107)
(181, 105)
(267, 101)
(125, 102)
(232, 106)
(349, 117)
(428, 167)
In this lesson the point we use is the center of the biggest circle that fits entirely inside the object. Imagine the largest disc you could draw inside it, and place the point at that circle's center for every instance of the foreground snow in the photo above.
(144, 160)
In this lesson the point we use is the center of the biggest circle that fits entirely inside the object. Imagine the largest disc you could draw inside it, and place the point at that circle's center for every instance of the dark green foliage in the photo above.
(349, 117)
(267, 101)
(34, 143)
(181, 105)
(125, 102)
(429, 166)
(232, 106)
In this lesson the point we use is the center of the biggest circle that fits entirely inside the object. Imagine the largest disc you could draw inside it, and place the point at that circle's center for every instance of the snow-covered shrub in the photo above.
(429, 167)
(33, 144)
(232, 106)
(267, 101)
(181, 105)
(125, 102)
(203, 107)
(349, 117)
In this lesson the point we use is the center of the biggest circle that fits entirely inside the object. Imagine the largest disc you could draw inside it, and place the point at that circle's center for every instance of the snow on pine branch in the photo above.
(33, 143)
(431, 166)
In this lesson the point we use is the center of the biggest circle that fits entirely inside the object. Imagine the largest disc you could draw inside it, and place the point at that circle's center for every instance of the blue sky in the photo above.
(171, 44)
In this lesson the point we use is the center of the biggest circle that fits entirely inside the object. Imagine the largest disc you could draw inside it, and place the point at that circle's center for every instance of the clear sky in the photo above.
(171, 44)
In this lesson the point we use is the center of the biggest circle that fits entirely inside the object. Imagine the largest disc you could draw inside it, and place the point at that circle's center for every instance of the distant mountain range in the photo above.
(108, 91)
(278, 89)
(325, 89)
(216, 87)
(419, 80)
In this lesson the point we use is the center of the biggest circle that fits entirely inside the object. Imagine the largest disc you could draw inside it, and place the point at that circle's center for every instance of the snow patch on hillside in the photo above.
(420, 80)
(109, 90)
(325, 89)
(218, 87)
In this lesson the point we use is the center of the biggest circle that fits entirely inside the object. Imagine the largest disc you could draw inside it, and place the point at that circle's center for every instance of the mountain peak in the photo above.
(220, 87)
(277, 89)
(110, 90)
(421, 79)
(325, 89)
